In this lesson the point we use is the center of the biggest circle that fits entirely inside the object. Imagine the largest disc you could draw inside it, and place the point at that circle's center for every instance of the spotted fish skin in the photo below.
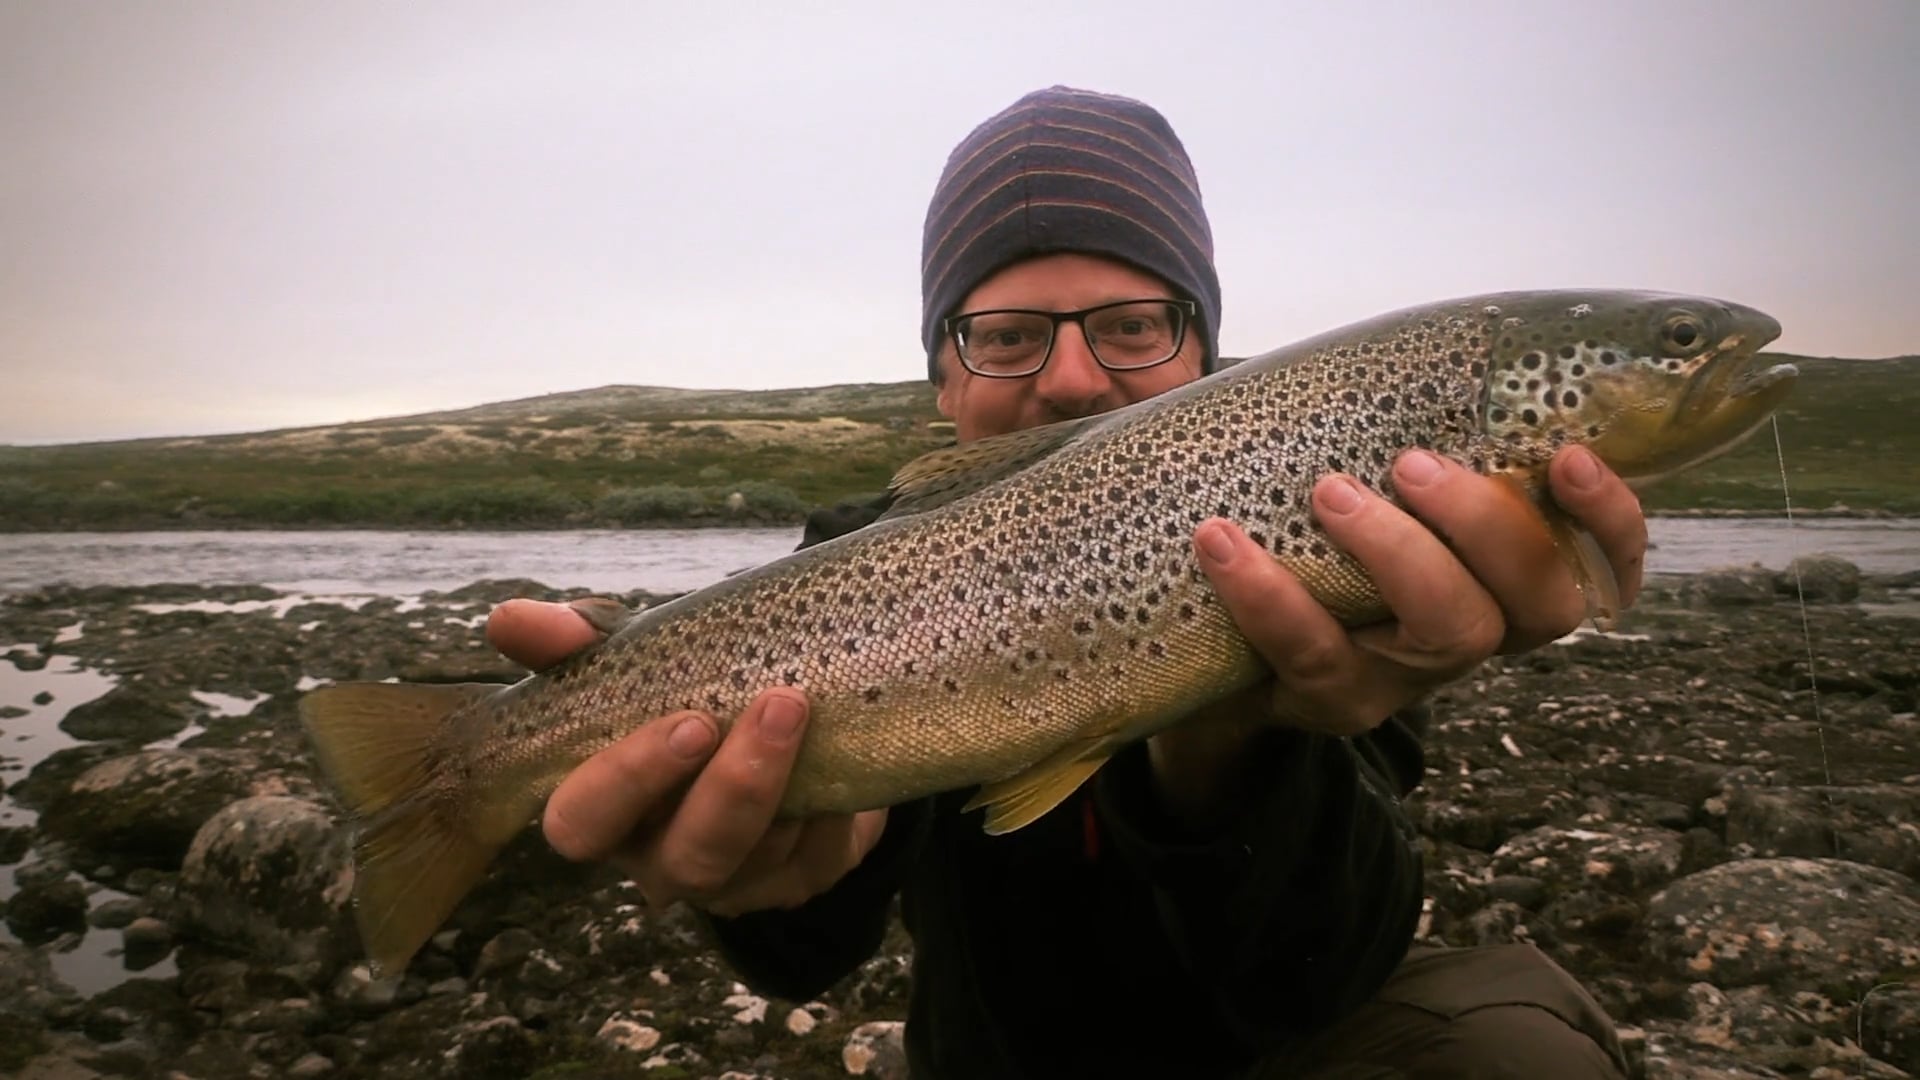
(1024, 627)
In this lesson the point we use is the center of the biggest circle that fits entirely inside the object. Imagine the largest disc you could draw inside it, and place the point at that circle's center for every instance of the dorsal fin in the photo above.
(941, 476)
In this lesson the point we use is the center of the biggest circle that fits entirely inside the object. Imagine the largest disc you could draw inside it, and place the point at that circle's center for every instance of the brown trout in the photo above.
(1031, 602)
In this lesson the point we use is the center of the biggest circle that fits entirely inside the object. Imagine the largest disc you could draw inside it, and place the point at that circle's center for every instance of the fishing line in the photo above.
(1806, 632)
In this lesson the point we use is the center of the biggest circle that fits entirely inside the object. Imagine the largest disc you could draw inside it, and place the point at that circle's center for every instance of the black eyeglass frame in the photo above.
(1189, 310)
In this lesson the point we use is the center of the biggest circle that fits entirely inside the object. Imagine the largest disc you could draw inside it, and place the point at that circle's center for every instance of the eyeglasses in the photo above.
(1012, 343)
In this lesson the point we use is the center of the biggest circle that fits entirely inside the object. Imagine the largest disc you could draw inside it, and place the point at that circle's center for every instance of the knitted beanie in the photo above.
(1066, 170)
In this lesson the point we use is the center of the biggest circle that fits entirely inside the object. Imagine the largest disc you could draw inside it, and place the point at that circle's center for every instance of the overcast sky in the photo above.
(234, 216)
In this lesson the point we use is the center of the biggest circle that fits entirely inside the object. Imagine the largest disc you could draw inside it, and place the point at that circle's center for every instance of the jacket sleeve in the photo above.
(1300, 911)
(798, 953)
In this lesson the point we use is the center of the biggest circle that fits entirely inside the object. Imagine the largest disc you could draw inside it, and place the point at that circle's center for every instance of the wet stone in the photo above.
(43, 910)
(143, 809)
(131, 712)
(114, 914)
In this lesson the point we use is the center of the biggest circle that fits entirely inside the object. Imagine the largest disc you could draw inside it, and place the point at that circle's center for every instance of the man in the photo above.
(1237, 894)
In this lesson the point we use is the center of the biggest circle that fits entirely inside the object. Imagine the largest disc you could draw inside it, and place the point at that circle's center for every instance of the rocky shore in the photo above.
(1727, 858)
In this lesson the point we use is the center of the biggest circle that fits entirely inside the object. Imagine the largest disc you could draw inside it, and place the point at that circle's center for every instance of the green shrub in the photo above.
(655, 502)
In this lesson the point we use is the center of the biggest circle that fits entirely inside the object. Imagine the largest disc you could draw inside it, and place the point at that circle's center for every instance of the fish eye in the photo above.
(1683, 334)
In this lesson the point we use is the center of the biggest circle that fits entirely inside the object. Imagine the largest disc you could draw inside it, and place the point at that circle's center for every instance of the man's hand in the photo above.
(1501, 587)
(686, 814)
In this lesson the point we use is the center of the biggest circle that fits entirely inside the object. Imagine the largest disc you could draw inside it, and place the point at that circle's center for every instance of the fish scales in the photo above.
(1034, 601)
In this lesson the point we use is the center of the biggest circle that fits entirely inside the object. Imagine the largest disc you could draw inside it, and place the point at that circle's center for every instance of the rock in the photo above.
(270, 874)
(1822, 579)
(1792, 924)
(310, 1065)
(361, 993)
(114, 914)
(131, 712)
(14, 842)
(43, 910)
(1528, 892)
(1877, 824)
(147, 933)
(1889, 1026)
(1729, 587)
(143, 809)
(628, 1032)
(1621, 859)
(28, 986)
(877, 1049)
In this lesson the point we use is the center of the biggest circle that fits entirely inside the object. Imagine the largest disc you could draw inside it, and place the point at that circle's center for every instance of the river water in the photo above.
(355, 562)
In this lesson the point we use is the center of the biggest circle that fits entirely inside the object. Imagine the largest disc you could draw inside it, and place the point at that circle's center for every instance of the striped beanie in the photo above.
(1066, 170)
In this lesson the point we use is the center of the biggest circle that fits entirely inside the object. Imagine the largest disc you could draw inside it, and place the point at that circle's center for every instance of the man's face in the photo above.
(1072, 384)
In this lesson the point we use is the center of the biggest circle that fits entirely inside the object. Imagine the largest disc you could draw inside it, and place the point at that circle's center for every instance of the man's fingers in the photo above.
(1609, 509)
(1498, 535)
(538, 635)
(1446, 620)
(594, 810)
(1271, 608)
(730, 806)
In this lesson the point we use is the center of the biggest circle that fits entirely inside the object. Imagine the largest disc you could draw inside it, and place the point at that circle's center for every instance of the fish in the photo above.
(1030, 602)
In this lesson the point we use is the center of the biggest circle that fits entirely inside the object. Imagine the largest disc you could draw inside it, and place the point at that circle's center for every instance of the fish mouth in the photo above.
(1726, 398)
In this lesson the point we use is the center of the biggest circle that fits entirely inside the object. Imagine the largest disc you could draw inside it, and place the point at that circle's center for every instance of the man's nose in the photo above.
(1072, 379)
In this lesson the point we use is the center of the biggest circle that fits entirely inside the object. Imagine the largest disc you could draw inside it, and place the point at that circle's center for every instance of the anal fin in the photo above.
(1025, 797)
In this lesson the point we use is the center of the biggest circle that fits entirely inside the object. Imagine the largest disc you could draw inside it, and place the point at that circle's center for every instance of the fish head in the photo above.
(1653, 383)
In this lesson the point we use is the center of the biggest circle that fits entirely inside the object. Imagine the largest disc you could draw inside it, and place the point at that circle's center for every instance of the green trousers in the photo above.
(1495, 1012)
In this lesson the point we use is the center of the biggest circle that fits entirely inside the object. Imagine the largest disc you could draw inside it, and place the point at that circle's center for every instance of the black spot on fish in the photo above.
(949, 685)
(1188, 613)
(1570, 399)
(1531, 361)
(1529, 416)
(1608, 357)
(1499, 415)
(1579, 370)
(1567, 352)
(1384, 403)
(871, 694)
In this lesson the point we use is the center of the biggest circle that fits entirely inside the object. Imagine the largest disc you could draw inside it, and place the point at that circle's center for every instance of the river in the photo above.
(360, 562)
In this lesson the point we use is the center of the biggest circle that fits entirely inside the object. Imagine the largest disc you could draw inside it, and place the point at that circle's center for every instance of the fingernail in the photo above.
(1214, 543)
(1419, 468)
(781, 718)
(1583, 469)
(1341, 495)
(690, 738)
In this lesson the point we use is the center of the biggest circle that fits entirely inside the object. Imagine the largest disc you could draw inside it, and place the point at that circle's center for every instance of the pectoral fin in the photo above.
(1590, 568)
(1023, 798)
(1581, 552)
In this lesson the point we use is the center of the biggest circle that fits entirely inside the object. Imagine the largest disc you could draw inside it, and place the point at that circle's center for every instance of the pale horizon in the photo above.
(224, 218)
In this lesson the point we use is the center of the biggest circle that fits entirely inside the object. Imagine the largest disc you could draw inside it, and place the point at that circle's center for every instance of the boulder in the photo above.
(1730, 587)
(143, 809)
(270, 875)
(1820, 925)
(1822, 579)
(132, 712)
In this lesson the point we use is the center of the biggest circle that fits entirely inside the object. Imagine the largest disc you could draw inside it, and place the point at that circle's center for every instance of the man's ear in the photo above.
(946, 385)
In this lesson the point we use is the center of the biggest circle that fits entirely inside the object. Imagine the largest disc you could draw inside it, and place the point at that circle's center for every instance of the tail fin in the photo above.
(415, 855)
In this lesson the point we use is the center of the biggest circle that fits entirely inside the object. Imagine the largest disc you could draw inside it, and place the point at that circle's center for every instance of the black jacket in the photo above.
(1099, 941)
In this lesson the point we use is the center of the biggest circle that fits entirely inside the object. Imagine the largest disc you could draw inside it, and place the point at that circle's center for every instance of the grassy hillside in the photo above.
(627, 455)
